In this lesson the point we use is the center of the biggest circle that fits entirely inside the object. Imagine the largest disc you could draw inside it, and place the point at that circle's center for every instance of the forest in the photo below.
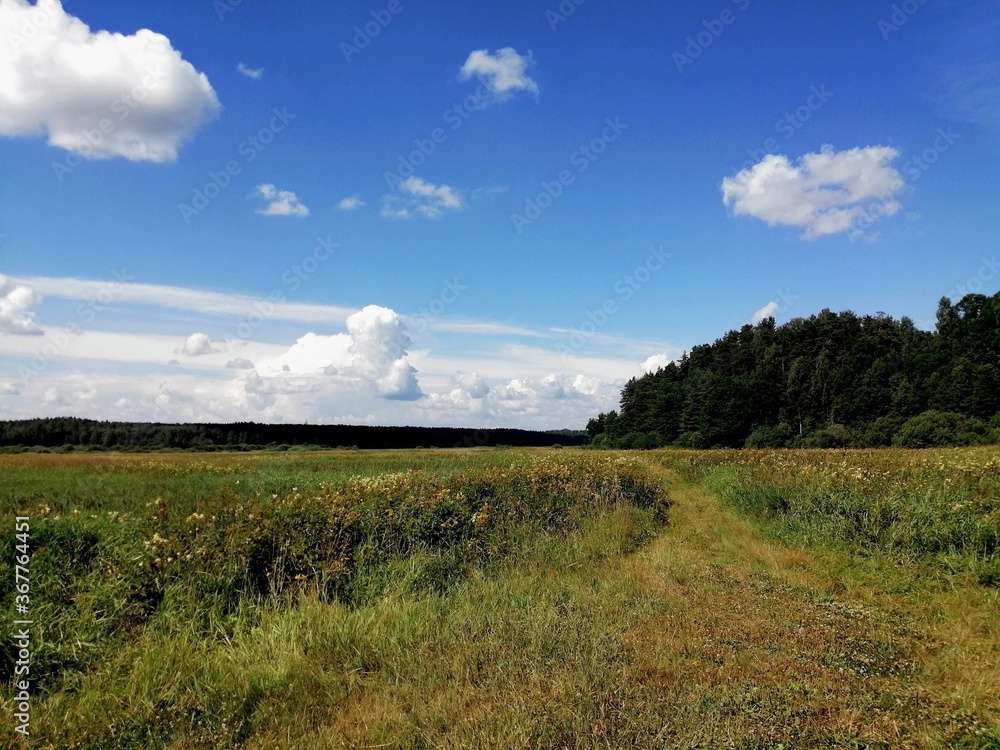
(72, 434)
(832, 380)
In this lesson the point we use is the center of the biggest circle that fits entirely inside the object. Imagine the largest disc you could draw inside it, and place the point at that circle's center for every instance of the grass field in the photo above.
(502, 598)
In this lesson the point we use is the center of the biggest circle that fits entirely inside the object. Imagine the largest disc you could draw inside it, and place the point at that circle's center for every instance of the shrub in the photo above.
(833, 436)
(940, 429)
(691, 440)
(881, 432)
(769, 437)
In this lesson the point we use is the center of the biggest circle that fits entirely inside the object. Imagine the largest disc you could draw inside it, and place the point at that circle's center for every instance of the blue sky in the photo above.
(478, 214)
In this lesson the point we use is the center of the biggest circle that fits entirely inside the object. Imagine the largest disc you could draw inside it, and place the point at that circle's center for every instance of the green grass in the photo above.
(939, 510)
(503, 599)
(145, 611)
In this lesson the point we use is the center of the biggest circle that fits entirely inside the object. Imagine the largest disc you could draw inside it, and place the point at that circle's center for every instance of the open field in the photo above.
(509, 598)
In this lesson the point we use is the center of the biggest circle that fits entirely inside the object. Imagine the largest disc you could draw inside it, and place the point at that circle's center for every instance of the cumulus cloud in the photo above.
(239, 364)
(825, 193)
(655, 362)
(9, 389)
(16, 301)
(280, 202)
(504, 72)
(417, 197)
(767, 311)
(96, 93)
(351, 203)
(472, 384)
(254, 73)
(379, 345)
(198, 344)
(372, 353)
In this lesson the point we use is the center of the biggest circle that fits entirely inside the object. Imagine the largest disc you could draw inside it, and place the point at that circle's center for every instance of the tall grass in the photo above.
(939, 507)
(201, 621)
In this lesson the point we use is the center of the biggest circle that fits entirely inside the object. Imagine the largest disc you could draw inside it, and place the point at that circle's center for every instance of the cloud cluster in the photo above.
(254, 73)
(767, 311)
(655, 362)
(372, 353)
(417, 197)
(503, 73)
(96, 93)
(280, 202)
(351, 203)
(183, 298)
(198, 345)
(825, 193)
(16, 301)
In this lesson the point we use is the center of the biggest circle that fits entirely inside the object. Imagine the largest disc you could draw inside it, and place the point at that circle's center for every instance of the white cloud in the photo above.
(826, 193)
(182, 298)
(347, 394)
(655, 362)
(280, 202)
(52, 397)
(254, 73)
(8, 389)
(471, 383)
(379, 344)
(197, 345)
(16, 301)
(239, 364)
(417, 197)
(96, 93)
(372, 353)
(767, 311)
(503, 73)
(351, 203)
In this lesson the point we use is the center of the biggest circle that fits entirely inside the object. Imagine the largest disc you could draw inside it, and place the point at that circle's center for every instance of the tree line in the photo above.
(70, 433)
(830, 380)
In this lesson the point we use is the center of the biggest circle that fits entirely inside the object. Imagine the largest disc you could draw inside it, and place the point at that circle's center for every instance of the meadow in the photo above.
(508, 598)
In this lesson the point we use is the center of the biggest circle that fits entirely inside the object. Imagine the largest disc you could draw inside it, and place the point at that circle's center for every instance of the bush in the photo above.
(769, 437)
(940, 429)
(880, 433)
(691, 440)
(834, 436)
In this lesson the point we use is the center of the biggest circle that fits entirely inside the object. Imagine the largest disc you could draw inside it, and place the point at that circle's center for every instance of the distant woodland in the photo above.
(70, 434)
(830, 380)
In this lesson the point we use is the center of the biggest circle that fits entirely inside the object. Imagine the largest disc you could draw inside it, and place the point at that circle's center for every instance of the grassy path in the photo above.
(708, 637)
(766, 645)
